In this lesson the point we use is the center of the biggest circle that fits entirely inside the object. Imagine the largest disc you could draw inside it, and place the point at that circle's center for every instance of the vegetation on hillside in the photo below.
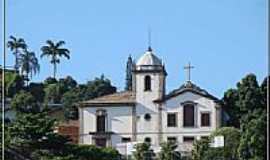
(246, 137)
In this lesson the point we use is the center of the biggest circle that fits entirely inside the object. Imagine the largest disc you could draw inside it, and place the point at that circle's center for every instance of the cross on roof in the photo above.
(188, 68)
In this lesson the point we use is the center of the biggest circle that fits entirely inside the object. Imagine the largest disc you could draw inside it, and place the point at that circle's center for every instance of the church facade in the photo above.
(146, 113)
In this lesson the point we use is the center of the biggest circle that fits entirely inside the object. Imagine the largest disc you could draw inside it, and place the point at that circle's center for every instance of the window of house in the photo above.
(101, 121)
(147, 83)
(205, 119)
(188, 139)
(101, 142)
(147, 117)
(189, 115)
(171, 139)
(147, 140)
(171, 120)
(126, 139)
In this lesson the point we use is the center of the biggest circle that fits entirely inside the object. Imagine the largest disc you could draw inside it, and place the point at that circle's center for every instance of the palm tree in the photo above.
(15, 45)
(54, 51)
(29, 64)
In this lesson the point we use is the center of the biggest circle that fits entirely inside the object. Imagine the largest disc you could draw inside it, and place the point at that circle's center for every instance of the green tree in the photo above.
(264, 88)
(32, 131)
(16, 45)
(141, 150)
(50, 80)
(246, 105)
(244, 99)
(32, 136)
(231, 140)
(53, 93)
(55, 51)
(92, 89)
(99, 87)
(29, 64)
(253, 139)
(37, 91)
(168, 151)
(202, 150)
(13, 83)
(68, 82)
(24, 102)
(253, 127)
(231, 107)
(129, 68)
(69, 100)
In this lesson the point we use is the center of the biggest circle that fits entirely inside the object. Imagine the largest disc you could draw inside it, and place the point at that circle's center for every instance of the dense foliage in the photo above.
(95, 88)
(142, 151)
(246, 107)
(203, 151)
(168, 151)
(13, 83)
(31, 135)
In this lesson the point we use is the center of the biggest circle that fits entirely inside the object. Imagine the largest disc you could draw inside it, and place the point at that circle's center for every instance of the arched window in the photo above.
(147, 83)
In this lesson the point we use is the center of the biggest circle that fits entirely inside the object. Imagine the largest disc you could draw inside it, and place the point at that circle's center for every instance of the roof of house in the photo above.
(191, 87)
(119, 98)
(128, 97)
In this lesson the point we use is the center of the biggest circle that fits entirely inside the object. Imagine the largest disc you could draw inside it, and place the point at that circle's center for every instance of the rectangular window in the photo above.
(205, 119)
(171, 120)
(126, 139)
(188, 139)
(171, 139)
(101, 142)
(189, 115)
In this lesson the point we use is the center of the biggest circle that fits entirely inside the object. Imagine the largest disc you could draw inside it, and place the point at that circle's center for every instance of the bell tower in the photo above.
(149, 74)
(148, 85)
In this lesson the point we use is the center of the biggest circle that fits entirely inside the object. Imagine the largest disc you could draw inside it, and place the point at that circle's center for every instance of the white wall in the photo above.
(174, 105)
(119, 121)
(145, 105)
(120, 118)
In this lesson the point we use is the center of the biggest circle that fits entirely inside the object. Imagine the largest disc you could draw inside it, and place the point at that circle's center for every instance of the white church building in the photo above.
(147, 114)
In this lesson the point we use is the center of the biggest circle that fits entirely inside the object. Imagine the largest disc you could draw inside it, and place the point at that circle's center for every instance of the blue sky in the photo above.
(223, 39)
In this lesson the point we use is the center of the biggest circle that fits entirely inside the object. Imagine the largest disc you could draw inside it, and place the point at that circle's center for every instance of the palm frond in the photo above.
(29, 62)
(64, 52)
(59, 44)
(46, 51)
(12, 38)
(50, 43)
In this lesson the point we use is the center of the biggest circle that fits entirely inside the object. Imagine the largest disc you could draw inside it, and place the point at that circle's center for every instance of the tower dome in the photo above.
(149, 59)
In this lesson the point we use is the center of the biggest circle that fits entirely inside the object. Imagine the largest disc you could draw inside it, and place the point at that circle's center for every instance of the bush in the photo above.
(202, 150)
